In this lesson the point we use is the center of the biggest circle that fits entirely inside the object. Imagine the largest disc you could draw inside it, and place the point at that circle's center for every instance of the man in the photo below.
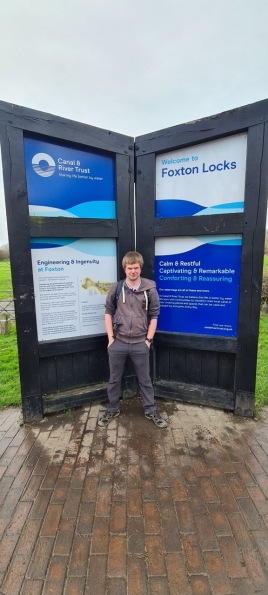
(131, 320)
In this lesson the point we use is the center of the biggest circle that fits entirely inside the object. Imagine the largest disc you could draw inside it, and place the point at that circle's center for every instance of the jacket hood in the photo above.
(146, 284)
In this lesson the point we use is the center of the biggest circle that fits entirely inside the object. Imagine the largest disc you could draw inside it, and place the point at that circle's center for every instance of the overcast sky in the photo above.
(132, 66)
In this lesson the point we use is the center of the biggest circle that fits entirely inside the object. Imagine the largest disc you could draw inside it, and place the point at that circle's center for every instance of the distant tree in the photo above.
(4, 252)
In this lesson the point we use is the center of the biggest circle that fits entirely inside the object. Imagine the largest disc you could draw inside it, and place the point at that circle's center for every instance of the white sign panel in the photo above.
(205, 179)
(71, 280)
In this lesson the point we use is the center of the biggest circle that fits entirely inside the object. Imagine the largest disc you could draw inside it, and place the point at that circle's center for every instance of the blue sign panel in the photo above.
(205, 179)
(198, 283)
(66, 182)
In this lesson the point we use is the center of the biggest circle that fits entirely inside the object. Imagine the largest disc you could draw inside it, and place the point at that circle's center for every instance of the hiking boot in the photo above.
(107, 417)
(157, 419)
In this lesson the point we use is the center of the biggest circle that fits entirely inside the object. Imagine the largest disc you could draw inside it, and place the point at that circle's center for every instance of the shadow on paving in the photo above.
(132, 509)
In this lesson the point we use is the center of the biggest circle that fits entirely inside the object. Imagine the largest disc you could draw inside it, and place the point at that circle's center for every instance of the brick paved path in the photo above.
(131, 509)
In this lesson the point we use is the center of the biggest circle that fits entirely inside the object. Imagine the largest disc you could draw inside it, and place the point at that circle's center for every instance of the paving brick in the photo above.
(200, 585)
(149, 490)
(226, 497)
(201, 468)
(216, 474)
(189, 475)
(253, 465)
(262, 544)
(64, 539)
(18, 519)
(240, 531)
(74, 585)
(158, 585)
(217, 574)
(178, 489)
(52, 520)
(171, 534)
(155, 554)
(8, 455)
(7, 546)
(152, 518)
(40, 505)
(185, 517)
(244, 474)
(85, 518)
(255, 570)
(177, 575)
(251, 514)
(134, 502)
(72, 503)
(136, 543)
(100, 536)
(162, 478)
(67, 467)
(104, 499)
(232, 557)
(31, 587)
(10, 502)
(79, 556)
(196, 501)
(236, 485)
(192, 552)
(116, 586)
(96, 575)
(90, 489)
(262, 480)
(117, 555)
(218, 518)
(136, 576)
(50, 477)
(134, 477)
(259, 499)
(41, 463)
(78, 478)
(242, 586)
(208, 490)
(15, 575)
(28, 538)
(32, 488)
(55, 578)
(41, 558)
(206, 534)
(60, 491)
(26, 446)
(118, 518)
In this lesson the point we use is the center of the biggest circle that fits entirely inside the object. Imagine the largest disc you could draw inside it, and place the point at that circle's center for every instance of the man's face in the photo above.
(133, 272)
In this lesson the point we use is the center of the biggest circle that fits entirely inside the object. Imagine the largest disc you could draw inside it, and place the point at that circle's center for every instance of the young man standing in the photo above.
(131, 320)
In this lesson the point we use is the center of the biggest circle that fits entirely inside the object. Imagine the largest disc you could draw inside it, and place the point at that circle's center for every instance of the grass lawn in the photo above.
(9, 371)
(5, 280)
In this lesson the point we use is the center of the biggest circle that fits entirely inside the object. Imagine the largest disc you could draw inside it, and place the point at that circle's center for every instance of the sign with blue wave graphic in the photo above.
(71, 280)
(67, 182)
(198, 280)
(205, 179)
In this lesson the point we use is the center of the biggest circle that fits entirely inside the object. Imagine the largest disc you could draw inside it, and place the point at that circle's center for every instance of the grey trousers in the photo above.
(139, 354)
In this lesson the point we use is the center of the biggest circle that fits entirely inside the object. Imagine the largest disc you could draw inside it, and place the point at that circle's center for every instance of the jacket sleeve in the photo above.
(154, 306)
(109, 305)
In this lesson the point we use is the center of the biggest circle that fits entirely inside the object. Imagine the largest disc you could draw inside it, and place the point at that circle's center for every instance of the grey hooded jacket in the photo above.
(134, 310)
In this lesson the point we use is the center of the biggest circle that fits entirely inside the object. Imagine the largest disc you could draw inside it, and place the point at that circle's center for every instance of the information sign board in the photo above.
(204, 179)
(198, 283)
(63, 181)
(71, 281)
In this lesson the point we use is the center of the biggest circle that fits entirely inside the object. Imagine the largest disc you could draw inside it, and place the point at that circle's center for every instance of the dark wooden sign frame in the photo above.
(208, 370)
(69, 372)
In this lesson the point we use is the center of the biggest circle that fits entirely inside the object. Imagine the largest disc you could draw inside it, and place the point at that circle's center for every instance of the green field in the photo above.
(5, 280)
(9, 370)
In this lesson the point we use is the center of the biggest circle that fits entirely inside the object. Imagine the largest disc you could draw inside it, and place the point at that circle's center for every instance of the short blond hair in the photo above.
(132, 258)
